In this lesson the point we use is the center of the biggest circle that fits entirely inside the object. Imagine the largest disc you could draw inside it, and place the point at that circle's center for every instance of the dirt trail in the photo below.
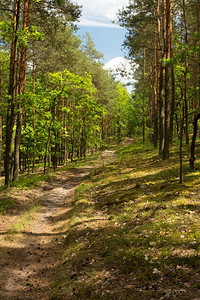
(28, 258)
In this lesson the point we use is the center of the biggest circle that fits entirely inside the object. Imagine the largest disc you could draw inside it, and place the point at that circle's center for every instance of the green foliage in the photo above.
(67, 92)
(6, 31)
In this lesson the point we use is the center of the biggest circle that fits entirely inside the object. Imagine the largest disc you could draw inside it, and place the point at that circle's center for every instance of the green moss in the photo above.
(134, 220)
(30, 181)
(6, 204)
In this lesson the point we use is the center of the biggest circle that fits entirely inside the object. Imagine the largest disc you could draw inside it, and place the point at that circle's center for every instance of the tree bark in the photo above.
(0, 116)
(186, 74)
(173, 97)
(33, 76)
(156, 91)
(144, 93)
(195, 128)
(66, 129)
(10, 120)
(167, 92)
(181, 146)
(161, 78)
(22, 84)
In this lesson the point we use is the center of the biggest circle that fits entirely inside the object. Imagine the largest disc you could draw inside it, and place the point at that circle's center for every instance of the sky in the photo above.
(97, 17)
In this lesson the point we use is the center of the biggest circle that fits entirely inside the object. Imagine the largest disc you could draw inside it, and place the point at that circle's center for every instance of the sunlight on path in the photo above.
(30, 263)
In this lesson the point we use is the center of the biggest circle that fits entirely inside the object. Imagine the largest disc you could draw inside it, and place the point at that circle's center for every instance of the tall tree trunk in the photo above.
(198, 61)
(196, 75)
(22, 84)
(172, 104)
(33, 76)
(47, 147)
(10, 120)
(151, 103)
(186, 74)
(167, 92)
(173, 98)
(161, 109)
(144, 93)
(0, 117)
(181, 146)
(161, 79)
(66, 132)
(192, 155)
(155, 87)
(72, 132)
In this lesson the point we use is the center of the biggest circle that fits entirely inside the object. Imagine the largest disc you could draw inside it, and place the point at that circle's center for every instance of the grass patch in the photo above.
(134, 230)
(30, 181)
(7, 204)
(25, 221)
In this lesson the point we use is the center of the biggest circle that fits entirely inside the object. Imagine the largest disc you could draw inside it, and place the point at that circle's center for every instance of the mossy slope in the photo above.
(133, 231)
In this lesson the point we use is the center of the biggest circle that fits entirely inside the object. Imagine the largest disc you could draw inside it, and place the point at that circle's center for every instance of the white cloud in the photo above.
(93, 23)
(102, 12)
(122, 69)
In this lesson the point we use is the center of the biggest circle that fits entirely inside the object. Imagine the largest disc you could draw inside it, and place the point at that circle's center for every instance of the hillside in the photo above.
(117, 226)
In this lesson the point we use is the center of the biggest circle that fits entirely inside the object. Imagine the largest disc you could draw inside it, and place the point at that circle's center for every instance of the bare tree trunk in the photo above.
(46, 149)
(186, 74)
(155, 86)
(167, 92)
(144, 93)
(66, 129)
(11, 92)
(198, 26)
(0, 117)
(72, 133)
(173, 100)
(151, 103)
(161, 79)
(33, 168)
(192, 155)
(22, 84)
(181, 145)
(196, 75)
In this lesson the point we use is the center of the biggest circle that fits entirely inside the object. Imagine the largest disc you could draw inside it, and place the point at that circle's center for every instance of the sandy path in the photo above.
(29, 258)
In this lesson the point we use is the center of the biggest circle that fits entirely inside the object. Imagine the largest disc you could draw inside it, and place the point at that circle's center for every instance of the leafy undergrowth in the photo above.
(133, 232)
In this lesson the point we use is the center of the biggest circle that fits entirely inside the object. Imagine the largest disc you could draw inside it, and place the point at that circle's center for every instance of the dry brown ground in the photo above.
(30, 241)
(31, 234)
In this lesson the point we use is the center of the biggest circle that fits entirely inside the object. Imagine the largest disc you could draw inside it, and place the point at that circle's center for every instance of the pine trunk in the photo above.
(192, 155)
(22, 84)
(186, 75)
(144, 93)
(167, 91)
(33, 167)
(0, 117)
(173, 98)
(10, 120)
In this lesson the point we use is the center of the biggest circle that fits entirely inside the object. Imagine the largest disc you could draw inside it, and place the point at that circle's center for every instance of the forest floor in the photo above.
(117, 226)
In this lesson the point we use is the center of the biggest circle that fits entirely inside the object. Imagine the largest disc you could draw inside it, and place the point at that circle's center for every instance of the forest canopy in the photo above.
(163, 39)
(57, 101)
